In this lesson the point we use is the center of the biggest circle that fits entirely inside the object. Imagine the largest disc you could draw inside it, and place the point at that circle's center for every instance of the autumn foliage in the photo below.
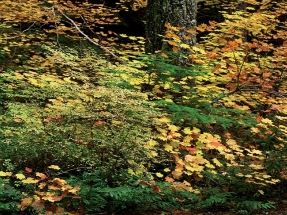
(78, 96)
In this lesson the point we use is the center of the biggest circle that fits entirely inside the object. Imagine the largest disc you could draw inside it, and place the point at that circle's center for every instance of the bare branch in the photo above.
(88, 38)
(30, 26)
(53, 10)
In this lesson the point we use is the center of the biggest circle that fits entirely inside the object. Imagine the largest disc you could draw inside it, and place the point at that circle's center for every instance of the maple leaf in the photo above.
(74, 190)
(185, 46)
(216, 144)
(177, 173)
(169, 179)
(166, 170)
(25, 203)
(267, 121)
(49, 197)
(20, 176)
(54, 167)
(188, 158)
(59, 181)
(27, 169)
(168, 148)
(5, 174)
(53, 187)
(187, 131)
(158, 174)
(30, 180)
(41, 175)
(217, 162)
(42, 185)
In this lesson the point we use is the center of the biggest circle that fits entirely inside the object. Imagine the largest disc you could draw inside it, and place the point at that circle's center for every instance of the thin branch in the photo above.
(53, 11)
(88, 38)
(30, 26)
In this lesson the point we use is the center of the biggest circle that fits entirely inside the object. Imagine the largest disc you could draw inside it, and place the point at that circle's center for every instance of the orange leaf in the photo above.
(175, 49)
(25, 203)
(42, 185)
(172, 43)
(191, 31)
(169, 179)
(27, 169)
(57, 198)
(53, 187)
(216, 144)
(60, 182)
(41, 175)
(191, 149)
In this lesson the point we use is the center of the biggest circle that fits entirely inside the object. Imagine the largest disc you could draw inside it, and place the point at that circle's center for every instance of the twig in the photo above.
(53, 11)
(30, 26)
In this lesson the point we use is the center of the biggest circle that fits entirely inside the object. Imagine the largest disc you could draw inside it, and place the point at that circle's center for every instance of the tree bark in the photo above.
(179, 13)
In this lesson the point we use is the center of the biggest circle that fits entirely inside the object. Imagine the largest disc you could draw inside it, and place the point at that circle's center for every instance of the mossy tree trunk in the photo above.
(179, 13)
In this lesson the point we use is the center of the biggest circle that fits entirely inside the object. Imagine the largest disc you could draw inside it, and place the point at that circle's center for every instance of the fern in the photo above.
(252, 205)
(217, 199)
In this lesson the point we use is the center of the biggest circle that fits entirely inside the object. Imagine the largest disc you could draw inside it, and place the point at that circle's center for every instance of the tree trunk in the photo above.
(179, 13)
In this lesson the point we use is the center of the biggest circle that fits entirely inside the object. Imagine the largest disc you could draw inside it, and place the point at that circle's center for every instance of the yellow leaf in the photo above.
(166, 170)
(173, 127)
(6, 49)
(153, 154)
(261, 192)
(131, 172)
(163, 120)
(255, 130)
(198, 50)
(168, 100)
(186, 183)
(240, 174)
(188, 158)
(185, 46)
(158, 174)
(266, 176)
(255, 151)
(150, 144)
(54, 167)
(132, 38)
(187, 131)
(5, 174)
(216, 162)
(74, 190)
(30, 181)
(210, 166)
(168, 148)
(20, 176)
(123, 35)
(196, 130)
(230, 157)
(267, 121)
(68, 79)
